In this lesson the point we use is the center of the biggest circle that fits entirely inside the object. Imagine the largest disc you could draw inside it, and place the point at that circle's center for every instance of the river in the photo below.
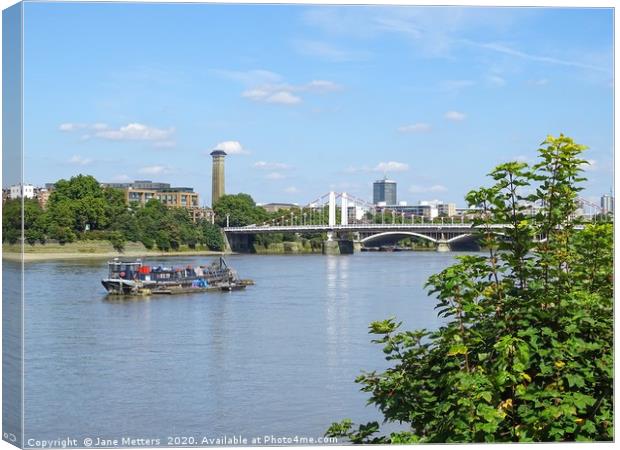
(279, 358)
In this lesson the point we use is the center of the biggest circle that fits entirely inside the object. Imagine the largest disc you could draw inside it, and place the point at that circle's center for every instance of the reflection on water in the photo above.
(278, 358)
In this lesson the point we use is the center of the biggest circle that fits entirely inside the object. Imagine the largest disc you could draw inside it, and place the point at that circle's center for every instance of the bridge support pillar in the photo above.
(227, 247)
(338, 247)
(442, 246)
(238, 243)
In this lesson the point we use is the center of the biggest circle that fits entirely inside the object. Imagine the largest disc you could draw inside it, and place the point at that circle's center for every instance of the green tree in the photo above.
(117, 240)
(240, 209)
(212, 236)
(80, 202)
(526, 353)
(62, 234)
(12, 221)
(33, 220)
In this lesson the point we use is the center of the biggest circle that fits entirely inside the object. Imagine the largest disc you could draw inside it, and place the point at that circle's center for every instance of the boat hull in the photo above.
(119, 286)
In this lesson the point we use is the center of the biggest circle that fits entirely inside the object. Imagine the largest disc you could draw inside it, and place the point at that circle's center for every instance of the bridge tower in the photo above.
(332, 209)
(344, 209)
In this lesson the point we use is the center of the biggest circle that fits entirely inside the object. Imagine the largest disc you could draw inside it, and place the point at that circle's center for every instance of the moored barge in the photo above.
(136, 278)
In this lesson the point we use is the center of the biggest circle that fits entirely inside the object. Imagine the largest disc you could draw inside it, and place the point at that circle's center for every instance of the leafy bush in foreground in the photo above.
(526, 353)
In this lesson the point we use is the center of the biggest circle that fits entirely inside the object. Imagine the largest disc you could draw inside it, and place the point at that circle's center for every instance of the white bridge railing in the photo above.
(448, 227)
(465, 227)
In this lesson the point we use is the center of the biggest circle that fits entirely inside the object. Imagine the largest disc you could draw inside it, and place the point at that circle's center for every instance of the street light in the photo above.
(227, 220)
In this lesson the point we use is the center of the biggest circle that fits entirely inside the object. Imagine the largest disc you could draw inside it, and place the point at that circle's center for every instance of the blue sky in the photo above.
(312, 98)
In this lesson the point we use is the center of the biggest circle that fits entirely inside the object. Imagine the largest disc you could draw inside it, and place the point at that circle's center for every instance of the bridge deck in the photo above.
(452, 228)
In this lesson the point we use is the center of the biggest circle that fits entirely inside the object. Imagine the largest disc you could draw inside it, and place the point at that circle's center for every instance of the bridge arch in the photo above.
(459, 237)
(396, 233)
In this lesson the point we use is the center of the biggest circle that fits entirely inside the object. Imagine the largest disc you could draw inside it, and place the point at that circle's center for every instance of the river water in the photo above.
(279, 358)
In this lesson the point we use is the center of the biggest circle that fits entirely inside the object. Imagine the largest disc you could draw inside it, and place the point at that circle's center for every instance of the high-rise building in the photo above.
(217, 176)
(384, 191)
(607, 203)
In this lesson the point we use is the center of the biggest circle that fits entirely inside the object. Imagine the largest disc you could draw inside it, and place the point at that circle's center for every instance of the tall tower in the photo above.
(384, 191)
(217, 175)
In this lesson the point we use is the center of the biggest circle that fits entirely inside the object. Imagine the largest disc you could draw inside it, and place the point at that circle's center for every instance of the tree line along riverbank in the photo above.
(82, 217)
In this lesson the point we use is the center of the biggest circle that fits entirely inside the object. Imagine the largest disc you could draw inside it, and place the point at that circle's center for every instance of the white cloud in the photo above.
(455, 85)
(321, 86)
(496, 80)
(591, 165)
(274, 176)
(266, 95)
(255, 94)
(121, 178)
(250, 77)
(455, 116)
(438, 32)
(415, 189)
(291, 190)
(283, 98)
(415, 128)
(353, 169)
(500, 48)
(154, 170)
(231, 148)
(268, 87)
(79, 160)
(132, 131)
(271, 165)
(538, 82)
(69, 127)
(329, 52)
(284, 94)
(136, 131)
(391, 166)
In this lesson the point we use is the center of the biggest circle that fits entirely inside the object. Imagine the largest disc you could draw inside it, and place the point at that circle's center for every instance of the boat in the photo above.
(137, 278)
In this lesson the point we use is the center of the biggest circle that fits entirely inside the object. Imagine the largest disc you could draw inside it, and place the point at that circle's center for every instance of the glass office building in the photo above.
(384, 191)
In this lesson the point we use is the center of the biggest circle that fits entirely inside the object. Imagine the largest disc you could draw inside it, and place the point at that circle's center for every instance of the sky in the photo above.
(307, 99)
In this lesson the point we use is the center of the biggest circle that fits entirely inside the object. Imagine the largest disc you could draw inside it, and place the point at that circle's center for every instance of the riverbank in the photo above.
(286, 248)
(92, 249)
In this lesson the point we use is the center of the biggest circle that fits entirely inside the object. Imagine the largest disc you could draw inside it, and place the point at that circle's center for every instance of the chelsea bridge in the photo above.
(345, 234)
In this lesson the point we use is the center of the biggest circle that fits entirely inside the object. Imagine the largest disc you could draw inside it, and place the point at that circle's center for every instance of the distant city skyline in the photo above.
(306, 99)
